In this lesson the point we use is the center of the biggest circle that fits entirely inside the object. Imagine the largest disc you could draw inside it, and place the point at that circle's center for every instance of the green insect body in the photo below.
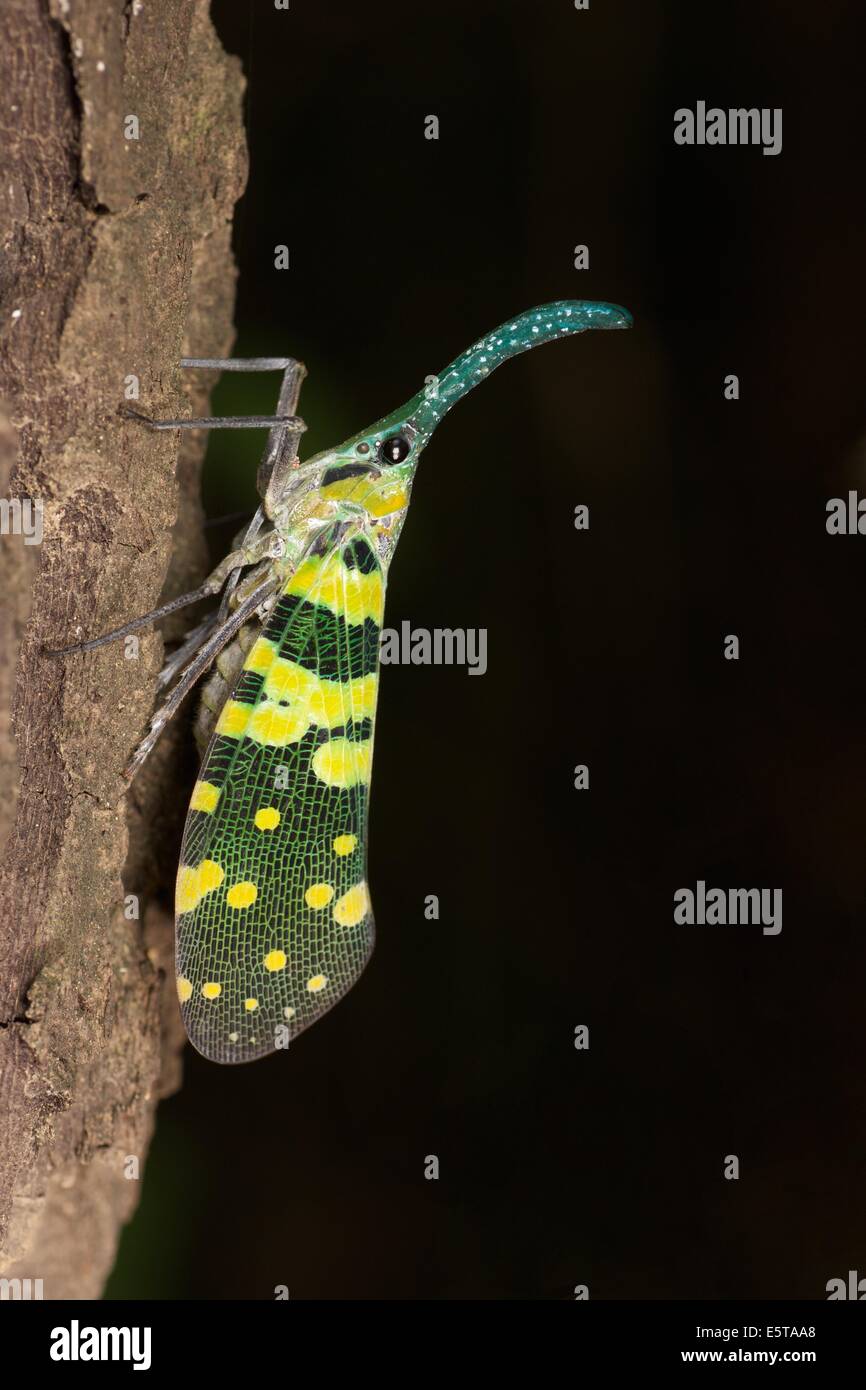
(274, 922)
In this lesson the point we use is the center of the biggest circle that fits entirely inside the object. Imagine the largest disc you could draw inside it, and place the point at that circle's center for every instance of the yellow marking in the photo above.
(184, 988)
(388, 496)
(250, 1005)
(193, 883)
(233, 719)
(186, 893)
(335, 702)
(204, 797)
(350, 594)
(211, 990)
(289, 1012)
(276, 960)
(324, 702)
(286, 680)
(242, 894)
(268, 818)
(276, 725)
(261, 656)
(317, 983)
(342, 763)
(354, 488)
(210, 876)
(353, 907)
(344, 844)
(306, 577)
(318, 895)
(378, 498)
(233, 1037)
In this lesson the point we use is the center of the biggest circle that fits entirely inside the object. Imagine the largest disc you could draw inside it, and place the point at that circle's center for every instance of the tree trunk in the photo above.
(116, 262)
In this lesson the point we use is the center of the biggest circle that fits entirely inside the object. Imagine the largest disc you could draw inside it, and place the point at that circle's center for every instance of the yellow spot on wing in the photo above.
(323, 702)
(276, 725)
(305, 577)
(204, 797)
(318, 895)
(242, 894)
(211, 990)
(184, 988)
(317, 983)
(344, 844)
(289, 1012)
(261, 656)
(349, 593)
(186, 891)
(193, 883)
(233, 719)
(250, 1005)
(334, 703)
(268, 818)
(210, 876)
(353, 907)
(342, 762)
(276, 960)
(286, 680)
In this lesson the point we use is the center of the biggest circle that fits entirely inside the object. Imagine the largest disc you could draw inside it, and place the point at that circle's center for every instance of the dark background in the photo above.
(561, 1167)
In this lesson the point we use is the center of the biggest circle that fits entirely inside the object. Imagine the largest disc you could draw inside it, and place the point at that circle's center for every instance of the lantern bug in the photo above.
(274, 922)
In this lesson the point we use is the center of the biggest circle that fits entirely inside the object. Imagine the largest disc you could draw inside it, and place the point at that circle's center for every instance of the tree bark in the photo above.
(116, 262)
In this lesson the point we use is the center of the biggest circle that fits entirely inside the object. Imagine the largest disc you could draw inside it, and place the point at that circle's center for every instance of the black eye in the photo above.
(394, 449)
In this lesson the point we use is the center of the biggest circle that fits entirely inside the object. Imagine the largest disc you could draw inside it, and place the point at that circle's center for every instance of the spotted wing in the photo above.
(273, 915)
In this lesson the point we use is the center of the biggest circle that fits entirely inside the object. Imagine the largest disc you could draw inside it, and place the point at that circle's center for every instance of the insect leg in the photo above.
(205, 591)
(243, 364)
(199, 664)
(200, 634)
(286, 427)
(238, 559)
(218, 422)
(279, 424)
(280, 457)
(190, 644)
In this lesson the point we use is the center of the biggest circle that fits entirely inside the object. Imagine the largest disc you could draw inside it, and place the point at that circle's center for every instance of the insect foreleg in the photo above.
(265, 546)
(183, 601)
(218, 422)
(199, 664)
(281, 453)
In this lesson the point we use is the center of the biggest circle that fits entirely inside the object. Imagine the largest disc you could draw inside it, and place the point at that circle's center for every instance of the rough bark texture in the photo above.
(116, 261)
